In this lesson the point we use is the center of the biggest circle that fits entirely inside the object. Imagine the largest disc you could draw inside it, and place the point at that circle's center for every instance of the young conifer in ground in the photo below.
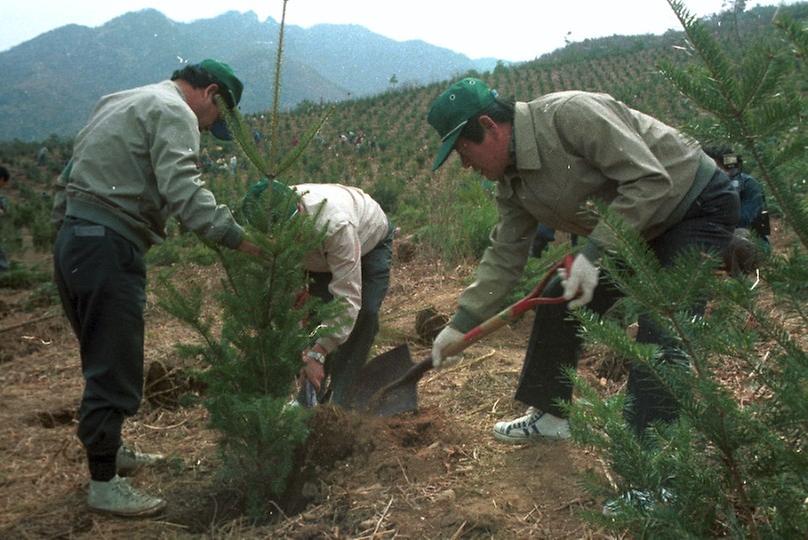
(727, 467)
(253, 337)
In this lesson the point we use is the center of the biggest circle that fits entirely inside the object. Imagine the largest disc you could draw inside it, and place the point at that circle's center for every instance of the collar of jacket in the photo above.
(524, 149)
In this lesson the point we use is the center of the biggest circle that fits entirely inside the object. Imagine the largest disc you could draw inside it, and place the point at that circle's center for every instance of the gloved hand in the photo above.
(448, 336)
(583, 276)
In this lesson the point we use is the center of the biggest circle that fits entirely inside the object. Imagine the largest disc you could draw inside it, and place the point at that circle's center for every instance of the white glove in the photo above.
(583, 276)
(448, 336)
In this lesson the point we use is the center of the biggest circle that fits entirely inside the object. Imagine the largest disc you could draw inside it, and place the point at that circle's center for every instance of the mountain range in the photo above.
(52, 81)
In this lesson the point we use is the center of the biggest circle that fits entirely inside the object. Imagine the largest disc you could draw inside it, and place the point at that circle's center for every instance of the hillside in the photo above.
(403, 143)
(436, 473)
(51, 82)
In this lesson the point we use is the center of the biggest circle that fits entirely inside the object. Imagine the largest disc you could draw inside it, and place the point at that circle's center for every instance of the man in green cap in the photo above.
(551, 157)
(134, 164)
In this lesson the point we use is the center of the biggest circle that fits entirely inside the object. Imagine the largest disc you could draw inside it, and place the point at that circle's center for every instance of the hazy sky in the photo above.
(506, 29)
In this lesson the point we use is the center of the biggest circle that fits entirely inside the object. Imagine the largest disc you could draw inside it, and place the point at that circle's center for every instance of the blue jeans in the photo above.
(555, 343)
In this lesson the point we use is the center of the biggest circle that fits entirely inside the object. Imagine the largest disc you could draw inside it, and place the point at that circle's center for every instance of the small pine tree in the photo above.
(725, 467)
(252, 350)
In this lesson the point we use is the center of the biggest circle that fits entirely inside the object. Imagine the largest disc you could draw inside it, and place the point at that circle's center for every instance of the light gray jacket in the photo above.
(135, 164)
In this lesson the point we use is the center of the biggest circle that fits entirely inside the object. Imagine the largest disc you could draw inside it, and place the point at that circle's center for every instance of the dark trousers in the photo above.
(101, 279)
(343, 364)
(555, 343)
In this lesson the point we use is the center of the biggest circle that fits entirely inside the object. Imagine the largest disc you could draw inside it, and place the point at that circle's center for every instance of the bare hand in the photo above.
(313, 371)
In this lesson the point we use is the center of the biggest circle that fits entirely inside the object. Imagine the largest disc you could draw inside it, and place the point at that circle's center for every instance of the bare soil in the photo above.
(437, 473)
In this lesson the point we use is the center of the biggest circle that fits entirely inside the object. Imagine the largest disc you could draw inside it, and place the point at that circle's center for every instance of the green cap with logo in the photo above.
(453, 109)
(231, 89)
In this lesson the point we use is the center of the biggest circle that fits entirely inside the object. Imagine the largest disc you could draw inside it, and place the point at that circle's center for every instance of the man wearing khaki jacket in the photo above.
(551, 157)
(134, 165)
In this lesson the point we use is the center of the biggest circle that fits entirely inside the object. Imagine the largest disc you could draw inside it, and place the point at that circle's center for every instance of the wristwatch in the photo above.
(316, 355)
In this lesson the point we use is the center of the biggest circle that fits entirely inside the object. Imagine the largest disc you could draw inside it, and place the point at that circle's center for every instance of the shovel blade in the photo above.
(382, 370)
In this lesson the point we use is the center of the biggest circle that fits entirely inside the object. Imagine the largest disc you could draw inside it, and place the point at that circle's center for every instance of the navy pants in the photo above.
(343, 364)
(555, 343)
(101, 279)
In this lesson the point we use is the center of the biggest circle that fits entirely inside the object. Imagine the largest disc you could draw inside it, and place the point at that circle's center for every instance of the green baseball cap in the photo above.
(453, 109)
(262, 213)
(231, 88)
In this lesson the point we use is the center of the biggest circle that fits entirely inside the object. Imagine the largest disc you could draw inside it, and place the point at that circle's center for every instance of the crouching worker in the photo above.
(134, 164)
(351, 266)
(750, 245)
(551, 157)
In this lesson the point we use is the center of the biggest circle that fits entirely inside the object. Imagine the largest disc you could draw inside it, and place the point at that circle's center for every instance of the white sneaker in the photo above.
(128, 461)
(534, 425)
(118, 498)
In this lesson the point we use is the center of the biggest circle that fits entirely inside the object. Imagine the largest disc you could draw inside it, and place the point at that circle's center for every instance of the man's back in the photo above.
(128, 157)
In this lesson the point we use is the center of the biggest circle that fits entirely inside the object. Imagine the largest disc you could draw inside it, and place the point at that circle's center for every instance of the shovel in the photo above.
(387, 384)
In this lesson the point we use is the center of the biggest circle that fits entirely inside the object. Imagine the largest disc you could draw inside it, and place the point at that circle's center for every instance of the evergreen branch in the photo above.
(771, 116)
(796, 34)
(304, 142)
(243, 137)
(761, 74)
(696, 84)
(637, 272)
(789, 151)
(769, 328)
(711, 54)
(774, 116)
(187, 307)
(276, 92)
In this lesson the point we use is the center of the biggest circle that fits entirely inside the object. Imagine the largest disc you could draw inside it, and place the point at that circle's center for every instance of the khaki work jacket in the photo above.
(573, 149)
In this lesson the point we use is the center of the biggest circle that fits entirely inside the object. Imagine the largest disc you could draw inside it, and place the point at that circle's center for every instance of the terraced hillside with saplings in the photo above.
(437, 473)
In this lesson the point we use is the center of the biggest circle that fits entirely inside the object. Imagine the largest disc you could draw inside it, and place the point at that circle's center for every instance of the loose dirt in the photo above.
(437, 473)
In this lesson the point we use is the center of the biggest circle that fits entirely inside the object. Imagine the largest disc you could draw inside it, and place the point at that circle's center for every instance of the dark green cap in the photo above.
(226, 78)
(453, 109)
(231, 89)
(263, 214)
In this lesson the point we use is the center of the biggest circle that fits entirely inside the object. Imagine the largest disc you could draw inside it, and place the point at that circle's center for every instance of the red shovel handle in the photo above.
(513, 312)
(506, 316)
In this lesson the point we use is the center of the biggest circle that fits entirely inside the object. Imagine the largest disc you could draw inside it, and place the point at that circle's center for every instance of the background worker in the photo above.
(134, 164)
(754, 215)
(744, 254)
(550, 158)
(352, 266)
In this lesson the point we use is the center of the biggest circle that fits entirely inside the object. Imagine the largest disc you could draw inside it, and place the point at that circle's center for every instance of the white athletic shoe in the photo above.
(118, 498)
(534, 425)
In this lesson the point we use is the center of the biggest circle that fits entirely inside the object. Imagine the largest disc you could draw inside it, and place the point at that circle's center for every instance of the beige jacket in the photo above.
(573, 148)
(354, 225)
